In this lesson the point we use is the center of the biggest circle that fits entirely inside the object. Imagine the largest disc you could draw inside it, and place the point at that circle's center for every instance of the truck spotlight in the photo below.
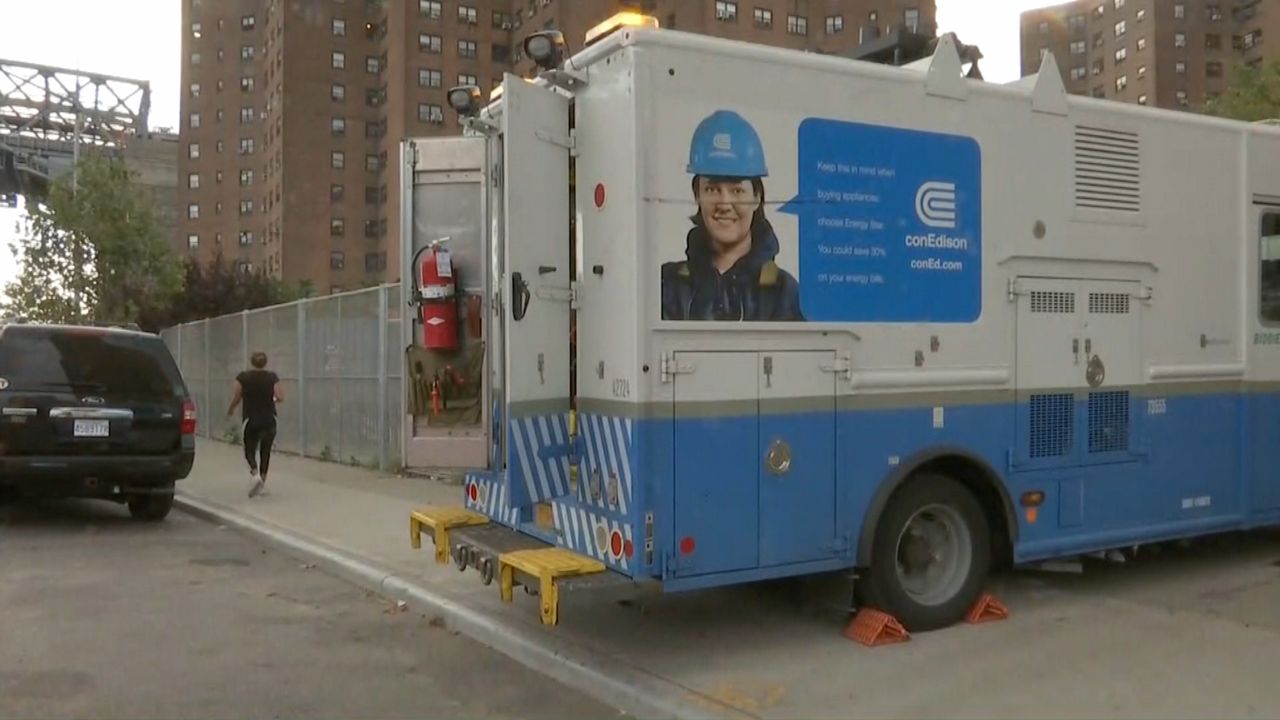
(546, 48)
(465, 99)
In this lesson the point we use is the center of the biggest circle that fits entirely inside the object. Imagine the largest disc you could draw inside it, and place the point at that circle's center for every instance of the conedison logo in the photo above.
(936, 204)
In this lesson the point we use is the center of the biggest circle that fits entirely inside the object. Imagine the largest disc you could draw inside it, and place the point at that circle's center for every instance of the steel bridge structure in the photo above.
(48, 113)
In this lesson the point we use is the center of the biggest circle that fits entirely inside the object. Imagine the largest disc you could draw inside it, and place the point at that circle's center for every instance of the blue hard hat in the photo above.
(725, 144)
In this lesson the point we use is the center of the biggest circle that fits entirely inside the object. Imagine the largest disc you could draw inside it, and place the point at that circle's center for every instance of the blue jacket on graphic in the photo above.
(755, 288)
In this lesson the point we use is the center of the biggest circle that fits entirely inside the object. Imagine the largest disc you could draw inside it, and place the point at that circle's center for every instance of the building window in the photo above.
(1122, 82)
(501, 20)
(246, 84)
(1212, 41)
(1142, 44)
(193, 242)
(1121, 55)
(217, 208)
(371, 163)
(1180, 40)
(1213, 69)
(193, 121)
(763, 18)
(466, 79)
(246, 115)
(467, 15)
(338, 92)
(1076, 23)
(1118, 3)
(1098, 40)
(911, 18)
(1142, 15)
(246, 146)
(1079, 47)
(193, 151)
(217, 177)
(339, 27)
(1099, 92)
(1180, 67)
(1142, 99)
(337, 227)
(246, 237)
(430, 113)
(218, 147)
(195, 90)
(375, 262)
(374, 228)
(246, 178)
(247, 22)
(1179, 10)
(372, 65)
(1098, 66)
(726, 11)
(429, 43)
(1142, 71)
(1121, 28)
(797, 25)
(193, 211)
(1042, 28)
(246, 52)
(246, 207)
(467, 48)
(196, 30)
(1100, 10)
(337, 260)
(1079, 72)
(835, 24)
(338, 60)
(1213, 13)
(430, 9)
(195, 58)
(193, 181)
(336, 192)
(337, 126)
(1181, 96)
(429, 78)
(337, 159)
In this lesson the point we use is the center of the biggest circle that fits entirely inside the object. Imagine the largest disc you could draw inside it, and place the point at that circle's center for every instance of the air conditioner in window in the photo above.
(506, 26)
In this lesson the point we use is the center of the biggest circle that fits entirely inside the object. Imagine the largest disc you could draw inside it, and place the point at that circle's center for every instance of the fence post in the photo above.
(302, 377)
(382, 377)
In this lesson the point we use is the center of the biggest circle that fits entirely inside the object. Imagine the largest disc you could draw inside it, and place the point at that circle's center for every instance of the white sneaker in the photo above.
(257, 487)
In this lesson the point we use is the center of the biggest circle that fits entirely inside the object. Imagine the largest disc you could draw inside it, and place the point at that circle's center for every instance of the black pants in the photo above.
(258, 437)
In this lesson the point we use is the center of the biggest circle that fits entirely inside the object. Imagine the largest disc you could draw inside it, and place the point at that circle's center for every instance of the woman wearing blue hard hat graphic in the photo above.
(729, 271)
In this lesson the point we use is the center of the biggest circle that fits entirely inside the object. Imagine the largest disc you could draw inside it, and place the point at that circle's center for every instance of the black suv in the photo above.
(93, 412)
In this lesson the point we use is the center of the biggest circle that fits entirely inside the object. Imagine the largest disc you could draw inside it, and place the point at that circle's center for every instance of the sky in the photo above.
(144, 43)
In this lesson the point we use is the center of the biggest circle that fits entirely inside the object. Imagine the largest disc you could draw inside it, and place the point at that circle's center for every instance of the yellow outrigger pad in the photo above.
(547, 565)
(439, 520)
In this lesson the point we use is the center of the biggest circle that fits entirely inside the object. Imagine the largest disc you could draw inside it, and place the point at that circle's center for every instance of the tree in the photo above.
(1254, 94)
(216, 288)
(92, 250)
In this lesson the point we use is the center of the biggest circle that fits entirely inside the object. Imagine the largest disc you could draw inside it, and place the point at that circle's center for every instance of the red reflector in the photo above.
(615, 544)
(686, 546)
(599, 195)
(188, 418)
(472, 492)
(628, 549)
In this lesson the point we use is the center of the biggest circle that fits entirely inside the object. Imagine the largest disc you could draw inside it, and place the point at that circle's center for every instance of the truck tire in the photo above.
(152, 506)
(930, 555)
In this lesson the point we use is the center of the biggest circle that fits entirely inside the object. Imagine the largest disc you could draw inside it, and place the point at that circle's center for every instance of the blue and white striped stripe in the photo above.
(540, 446)
(491, 500)
(607, 448)
(579, 528)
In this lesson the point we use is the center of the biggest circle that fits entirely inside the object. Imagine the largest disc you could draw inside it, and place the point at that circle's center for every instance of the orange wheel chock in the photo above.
(987, 608)
(872, 628)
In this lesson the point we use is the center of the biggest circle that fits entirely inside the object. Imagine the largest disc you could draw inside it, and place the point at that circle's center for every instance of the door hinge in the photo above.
(670, 368)
(840, 367)
(1014, 290)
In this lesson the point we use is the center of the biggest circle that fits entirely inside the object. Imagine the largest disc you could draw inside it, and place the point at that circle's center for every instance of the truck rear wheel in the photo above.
(930, 555)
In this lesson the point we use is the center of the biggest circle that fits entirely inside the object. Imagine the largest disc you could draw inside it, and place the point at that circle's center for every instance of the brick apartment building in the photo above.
(293, 111)
(1167, 53)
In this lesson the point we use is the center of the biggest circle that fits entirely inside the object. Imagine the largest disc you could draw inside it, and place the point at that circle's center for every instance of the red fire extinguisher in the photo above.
(436, 295)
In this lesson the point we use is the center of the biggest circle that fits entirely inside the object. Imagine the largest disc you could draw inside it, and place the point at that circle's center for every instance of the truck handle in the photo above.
(519, 297)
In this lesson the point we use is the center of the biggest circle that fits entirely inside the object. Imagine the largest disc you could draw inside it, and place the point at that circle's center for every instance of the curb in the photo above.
(633, 691)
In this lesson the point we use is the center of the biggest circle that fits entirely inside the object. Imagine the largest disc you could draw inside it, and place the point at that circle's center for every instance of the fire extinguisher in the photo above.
(435, 292)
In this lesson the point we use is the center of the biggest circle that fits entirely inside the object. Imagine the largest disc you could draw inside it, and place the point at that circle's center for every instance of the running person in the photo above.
(259, 388)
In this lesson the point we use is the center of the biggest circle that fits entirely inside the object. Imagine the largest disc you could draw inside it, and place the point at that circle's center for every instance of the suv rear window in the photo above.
(111, 364)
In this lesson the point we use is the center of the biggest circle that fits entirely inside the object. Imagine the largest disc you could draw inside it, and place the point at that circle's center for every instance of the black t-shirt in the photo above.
(258, 391)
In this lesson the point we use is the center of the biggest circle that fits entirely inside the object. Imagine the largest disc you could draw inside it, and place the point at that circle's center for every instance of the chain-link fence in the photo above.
(338, 359)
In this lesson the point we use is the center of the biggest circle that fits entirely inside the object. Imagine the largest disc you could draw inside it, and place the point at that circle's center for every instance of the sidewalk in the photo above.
(1140, 642)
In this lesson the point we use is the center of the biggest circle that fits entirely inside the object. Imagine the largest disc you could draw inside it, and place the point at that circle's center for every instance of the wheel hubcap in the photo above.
(934, 554)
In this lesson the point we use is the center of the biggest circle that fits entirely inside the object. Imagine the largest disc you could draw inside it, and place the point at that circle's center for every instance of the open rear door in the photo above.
(536, 290)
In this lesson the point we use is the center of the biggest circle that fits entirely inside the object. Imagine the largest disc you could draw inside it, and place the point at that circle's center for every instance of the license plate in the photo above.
(93, 428)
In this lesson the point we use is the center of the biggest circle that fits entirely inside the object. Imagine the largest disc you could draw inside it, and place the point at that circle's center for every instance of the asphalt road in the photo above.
(102, 617)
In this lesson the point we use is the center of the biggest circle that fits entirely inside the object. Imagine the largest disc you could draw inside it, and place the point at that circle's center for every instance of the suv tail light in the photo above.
(188, 418)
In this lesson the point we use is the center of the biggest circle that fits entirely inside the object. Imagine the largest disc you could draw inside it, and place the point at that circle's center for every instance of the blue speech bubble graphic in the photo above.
(890, 224)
